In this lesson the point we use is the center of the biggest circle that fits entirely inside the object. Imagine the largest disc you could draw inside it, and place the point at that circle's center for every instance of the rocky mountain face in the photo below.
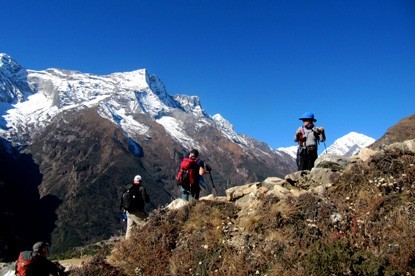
(72, 141)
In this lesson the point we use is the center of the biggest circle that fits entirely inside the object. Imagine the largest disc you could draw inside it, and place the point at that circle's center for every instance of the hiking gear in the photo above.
(33, 263)
(188, 174)
(124, 215)
(134, 198)
(208, 168)
(213, 184)
(304, 134)
(26, 258)
(137, 178)
(308, 116)
(325, 147)
(127, 199)
(323, 135)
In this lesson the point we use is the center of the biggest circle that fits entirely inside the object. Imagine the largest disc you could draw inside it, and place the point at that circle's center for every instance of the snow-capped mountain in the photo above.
(84, 136)
(347, 145)
(291, 151)
(117, 96)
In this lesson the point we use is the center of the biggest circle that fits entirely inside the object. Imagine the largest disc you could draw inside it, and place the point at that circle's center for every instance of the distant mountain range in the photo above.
(72, 141)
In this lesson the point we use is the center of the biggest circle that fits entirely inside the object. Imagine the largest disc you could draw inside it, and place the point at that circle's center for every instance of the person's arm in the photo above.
(202, 170)
(144, 194)
(53, 268)
(298, 135)
(321, 134)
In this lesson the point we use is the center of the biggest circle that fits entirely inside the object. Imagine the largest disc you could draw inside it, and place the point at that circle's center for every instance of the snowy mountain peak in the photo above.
(350, 144)
(117, 97)
(191, 104)
(228, 130)
(225, 124)
(13, 81)
(137, 79)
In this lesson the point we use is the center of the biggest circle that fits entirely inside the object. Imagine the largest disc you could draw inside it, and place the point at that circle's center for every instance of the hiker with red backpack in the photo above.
(191, 171)
(36, 263)
(308, 136)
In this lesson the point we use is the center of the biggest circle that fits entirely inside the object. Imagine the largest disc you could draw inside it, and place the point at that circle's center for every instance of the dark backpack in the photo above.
(133, 198)
(128, 201)
(188, 173)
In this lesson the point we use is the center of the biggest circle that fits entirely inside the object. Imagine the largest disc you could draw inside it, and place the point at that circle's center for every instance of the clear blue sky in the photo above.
(261, 64)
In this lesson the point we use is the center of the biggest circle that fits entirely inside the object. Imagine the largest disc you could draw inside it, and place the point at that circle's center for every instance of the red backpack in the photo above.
(188, 173)
(26, 258)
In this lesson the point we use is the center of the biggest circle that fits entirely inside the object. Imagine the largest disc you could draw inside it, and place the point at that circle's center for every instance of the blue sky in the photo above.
(260, 64)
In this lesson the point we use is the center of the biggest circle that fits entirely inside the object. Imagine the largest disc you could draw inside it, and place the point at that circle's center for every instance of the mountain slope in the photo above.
(347, 217)
(403, 130)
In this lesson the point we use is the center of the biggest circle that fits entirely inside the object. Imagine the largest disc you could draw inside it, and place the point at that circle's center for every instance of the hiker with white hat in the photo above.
(133, 201)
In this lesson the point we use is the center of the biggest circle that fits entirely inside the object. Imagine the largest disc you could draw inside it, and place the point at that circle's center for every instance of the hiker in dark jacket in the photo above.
(36, 263)
(197, 168)
(308, 136)
(136, 215)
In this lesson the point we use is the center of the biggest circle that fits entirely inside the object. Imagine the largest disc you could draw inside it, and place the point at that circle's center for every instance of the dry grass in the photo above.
(365, 225)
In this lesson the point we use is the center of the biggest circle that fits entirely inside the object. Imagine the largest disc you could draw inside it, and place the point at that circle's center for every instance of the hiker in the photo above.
(308, 136)
(191, 171)
(36, 262)
(135, 210)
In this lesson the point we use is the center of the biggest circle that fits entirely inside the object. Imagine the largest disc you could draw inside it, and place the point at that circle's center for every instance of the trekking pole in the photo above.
(213, 184)
(209, 169)
(325, 148)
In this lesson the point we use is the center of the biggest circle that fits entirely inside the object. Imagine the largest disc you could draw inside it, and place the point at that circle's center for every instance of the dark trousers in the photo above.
(306, 156)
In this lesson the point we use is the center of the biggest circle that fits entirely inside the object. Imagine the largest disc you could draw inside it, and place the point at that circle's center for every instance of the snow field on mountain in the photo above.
(175, 129)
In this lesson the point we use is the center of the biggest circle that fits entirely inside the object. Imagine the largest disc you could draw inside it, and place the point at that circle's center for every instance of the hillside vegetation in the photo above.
(348, 216)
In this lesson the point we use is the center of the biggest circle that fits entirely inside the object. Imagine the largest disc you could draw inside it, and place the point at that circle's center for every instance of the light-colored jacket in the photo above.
(309, 137)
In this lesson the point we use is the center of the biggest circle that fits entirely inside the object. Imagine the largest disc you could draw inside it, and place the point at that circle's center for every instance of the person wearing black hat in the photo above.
(36, 263)
(308, 136)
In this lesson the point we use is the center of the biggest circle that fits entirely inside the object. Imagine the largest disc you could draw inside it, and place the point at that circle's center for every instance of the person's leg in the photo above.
(194, 192)
(184, 194)
(302, 162)
(130, 225)
(139, 218)
(312, 156)
(134, 219)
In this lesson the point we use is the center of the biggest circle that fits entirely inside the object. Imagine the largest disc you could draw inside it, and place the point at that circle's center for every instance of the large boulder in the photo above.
(334, 162)
(366, 153)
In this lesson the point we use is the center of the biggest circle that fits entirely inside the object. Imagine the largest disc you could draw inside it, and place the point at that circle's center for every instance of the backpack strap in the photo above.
(305, 137)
